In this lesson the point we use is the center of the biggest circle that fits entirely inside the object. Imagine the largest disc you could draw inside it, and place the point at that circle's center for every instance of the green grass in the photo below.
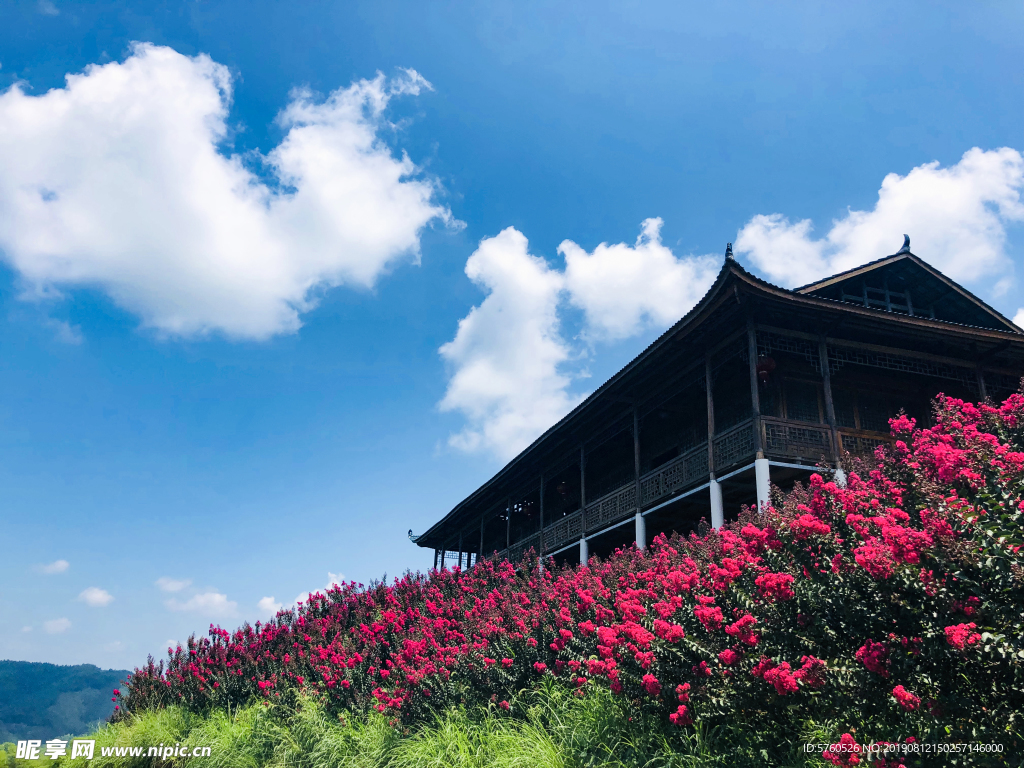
(548, 728)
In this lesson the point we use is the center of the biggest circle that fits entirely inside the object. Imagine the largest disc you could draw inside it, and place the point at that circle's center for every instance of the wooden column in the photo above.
(460, 549)
(540, 547)
(584, 549)
(437, 553)
(830, 407)
(483, 523)
(982, 389)
(508, 523)
(636, 452)
(714, 489)
(755, 395)
(640, 534)
(708, 384)
(583, 479)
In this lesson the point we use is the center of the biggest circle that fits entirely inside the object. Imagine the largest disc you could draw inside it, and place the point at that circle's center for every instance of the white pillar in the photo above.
(840, 476)
(641, 531)
(584, 551)
(761, 480)
(717, 507)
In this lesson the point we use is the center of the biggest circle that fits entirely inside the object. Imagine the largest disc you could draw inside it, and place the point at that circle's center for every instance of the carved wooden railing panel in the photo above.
(734, 445)
(517, 550)
(612, 508)
(563, 531)
(796, 440)
(862, 443)
(677, 474)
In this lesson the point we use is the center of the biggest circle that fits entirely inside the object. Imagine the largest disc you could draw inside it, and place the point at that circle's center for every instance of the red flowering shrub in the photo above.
(962, 635)
(845, 752)
(906, 699)
(866, 585)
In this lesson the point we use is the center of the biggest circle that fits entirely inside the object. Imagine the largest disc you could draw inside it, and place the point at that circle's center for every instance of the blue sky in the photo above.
(241, 353)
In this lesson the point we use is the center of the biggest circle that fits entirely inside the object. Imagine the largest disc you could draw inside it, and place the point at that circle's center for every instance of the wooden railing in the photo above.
(800, 442)
(862, 443)
(611, 508)
(517, 550)
(734, 445)
(564, 530)
(687, 469)
(796, 441)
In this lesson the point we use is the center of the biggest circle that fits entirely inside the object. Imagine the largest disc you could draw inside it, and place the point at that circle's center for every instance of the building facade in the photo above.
(755, 385)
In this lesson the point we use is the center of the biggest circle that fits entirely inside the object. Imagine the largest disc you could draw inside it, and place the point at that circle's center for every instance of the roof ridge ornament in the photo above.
(906, 245)
(728, 252)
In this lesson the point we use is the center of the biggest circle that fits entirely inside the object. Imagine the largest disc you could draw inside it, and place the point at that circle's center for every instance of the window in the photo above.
(802, 401)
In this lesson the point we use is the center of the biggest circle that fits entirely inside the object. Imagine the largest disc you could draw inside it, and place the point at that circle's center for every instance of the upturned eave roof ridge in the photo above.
(909, 256)
(881, 314)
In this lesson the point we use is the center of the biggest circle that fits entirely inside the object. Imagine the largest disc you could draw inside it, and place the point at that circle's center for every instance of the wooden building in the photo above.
(756, 384)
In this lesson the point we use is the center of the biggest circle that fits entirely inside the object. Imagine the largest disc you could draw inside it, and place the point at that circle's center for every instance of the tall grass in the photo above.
(550, 727)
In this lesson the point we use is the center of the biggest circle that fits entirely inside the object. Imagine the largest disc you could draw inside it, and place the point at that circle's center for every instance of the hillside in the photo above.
(41, 701)
(883, 613)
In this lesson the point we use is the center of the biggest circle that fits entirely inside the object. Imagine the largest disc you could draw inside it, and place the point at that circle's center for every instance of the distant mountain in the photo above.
(44, 701)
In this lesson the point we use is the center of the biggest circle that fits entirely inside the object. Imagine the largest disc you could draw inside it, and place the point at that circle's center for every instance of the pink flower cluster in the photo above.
(962, 635)
(823, 574)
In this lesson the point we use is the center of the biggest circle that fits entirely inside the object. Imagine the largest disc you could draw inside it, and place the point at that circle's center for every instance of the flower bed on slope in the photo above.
(893, 604)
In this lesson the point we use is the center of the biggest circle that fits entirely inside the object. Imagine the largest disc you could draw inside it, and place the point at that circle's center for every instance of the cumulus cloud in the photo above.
(57, 566)
(118, 181)
(1019, 318)
(56, 626)
(506, 354)
(268, 606)
(167, 584)
(510, 359)
(956, 217)
(96, 597)
(211, 604)
(624, 289)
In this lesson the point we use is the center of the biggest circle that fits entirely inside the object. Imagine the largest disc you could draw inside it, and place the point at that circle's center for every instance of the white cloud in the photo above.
(115, 182)
(510, 358)
(56, 626)
(212, 604)
(57, 566)
(1019, 318)
(167, 584)
(47, 8)
(96, 597)
(26, 629)
(623, 289)
(956, 218)
(64, 332)
(507, 352)
(268, 606)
